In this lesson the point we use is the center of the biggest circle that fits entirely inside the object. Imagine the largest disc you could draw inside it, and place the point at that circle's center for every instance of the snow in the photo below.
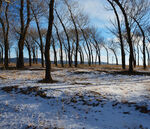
(82, 98)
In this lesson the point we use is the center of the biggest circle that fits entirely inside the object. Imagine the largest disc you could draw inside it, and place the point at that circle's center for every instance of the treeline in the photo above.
(63, 27)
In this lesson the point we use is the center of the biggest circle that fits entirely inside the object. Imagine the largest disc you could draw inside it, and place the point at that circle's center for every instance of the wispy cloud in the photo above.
(96, 9)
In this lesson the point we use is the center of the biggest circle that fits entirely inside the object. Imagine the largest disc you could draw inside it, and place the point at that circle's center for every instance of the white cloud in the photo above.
(96, 10)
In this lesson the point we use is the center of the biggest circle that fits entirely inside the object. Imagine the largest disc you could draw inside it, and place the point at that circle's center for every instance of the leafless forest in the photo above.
(52, 50)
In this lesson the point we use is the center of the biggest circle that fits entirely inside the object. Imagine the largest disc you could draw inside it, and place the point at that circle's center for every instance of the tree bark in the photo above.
(48, 77)
(148, 56)
(76, 32)
(144, 47)
(129, 39)
(61, 49)
(54, 50)
(68, 40)
(120, 35)
(5, 29)
(40, 36)
(24, 28)
(107, 54)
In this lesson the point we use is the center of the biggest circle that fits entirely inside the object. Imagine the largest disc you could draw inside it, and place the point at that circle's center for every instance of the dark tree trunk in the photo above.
(55, 53)
(98, 51)
(82, 54)
(107, 55)
(68, 40)
(120, 35)
(66, 57)
(76, 32)
(40, 36)
(99, 56)
(89, 52)
(36, 54)
(5, 29)
(129, 38)
(29, 52)
(144, 47)
(30, 60)
(2, 59)
(42, 56)
(148, 56)
(48, 77)
(33, 54)
(24, 28)
(61, 49)
(20, 61)
(96, 58)
(115, 57)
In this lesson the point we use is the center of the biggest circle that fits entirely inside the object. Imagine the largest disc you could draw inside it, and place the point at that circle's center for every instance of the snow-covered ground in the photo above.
(81, 99)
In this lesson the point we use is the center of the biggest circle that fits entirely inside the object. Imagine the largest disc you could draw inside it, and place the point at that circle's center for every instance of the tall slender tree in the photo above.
(48, 77)
(23, 30)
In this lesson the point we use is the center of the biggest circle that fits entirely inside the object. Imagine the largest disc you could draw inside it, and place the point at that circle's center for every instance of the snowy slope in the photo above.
(82, 98)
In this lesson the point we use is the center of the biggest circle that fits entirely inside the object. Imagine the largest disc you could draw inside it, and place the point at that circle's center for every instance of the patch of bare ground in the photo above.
(30, 126)
(80, 83)
(1, 77)
(47, 81)
(33, 91)
(124, 72)
(141, 108)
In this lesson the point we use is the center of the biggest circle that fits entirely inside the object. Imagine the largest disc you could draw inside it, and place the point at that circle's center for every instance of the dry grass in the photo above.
(101, 68)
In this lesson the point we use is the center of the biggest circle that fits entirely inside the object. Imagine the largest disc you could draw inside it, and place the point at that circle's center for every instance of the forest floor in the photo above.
(82, 98)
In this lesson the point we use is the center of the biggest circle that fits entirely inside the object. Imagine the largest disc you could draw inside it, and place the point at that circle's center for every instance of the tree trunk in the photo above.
(5, 29)
(36, 54)
(144, 47)
(48, 77)
(116, 57)
(42, 56)
(99, 56)
(107, 55)
(68, 40)
(40, 36)
(34, 57)
(20, 61)
(2, 59)
(120, 35)
(148, 56)
(55, 53)
(129, 39)
(24, 28)
(76, 32)
(61, 49)
(30, 61)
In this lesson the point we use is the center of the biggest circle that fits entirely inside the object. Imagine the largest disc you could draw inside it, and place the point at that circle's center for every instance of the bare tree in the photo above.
(128, 30)
(119, 35)
(38, 9)
(48, 77)
(67, 36)
(54, 50)
(61, 45)
(23, 31)
(139, 12)
(113, 47)
(76, 31)
(105, 47)
(5, 28)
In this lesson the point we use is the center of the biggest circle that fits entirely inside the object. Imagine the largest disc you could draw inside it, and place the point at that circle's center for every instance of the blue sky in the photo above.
(100, 18)
(96, 10)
